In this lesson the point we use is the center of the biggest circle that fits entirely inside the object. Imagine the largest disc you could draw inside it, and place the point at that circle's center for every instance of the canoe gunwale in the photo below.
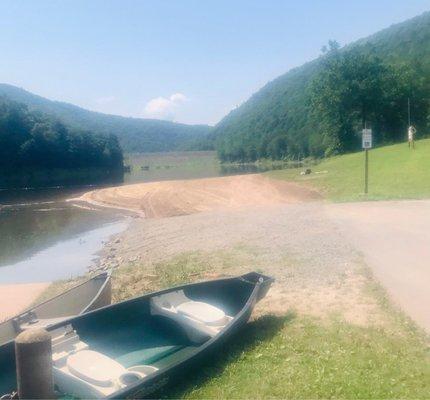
(32, 309)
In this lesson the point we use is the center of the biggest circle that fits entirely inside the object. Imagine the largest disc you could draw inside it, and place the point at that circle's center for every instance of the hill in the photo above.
(38, 150)
(395, 172)
(280, 114)
(134, 134)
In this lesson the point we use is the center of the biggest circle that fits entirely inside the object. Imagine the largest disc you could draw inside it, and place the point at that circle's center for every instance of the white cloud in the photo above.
(164, 107)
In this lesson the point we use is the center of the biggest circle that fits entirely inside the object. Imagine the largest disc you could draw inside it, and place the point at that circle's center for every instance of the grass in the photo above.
(395, 172)
(300, 358)
(295, 356)
(292, 355)
(135, 279)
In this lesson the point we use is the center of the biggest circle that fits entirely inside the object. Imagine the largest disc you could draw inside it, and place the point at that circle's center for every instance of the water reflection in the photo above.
(30, 227)
(66, 259)
(34, 219)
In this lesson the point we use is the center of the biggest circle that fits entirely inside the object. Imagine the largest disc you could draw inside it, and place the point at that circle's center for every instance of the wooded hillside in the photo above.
(315, 109)
(134, 134)
(30, 140)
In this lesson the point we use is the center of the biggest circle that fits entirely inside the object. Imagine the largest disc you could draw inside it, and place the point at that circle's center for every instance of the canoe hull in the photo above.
(156, 382)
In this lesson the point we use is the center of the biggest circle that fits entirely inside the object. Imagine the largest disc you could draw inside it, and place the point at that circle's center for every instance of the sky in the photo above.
(189, 61)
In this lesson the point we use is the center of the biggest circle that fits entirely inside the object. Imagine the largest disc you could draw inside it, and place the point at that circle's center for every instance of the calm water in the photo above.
(43, 237)
(184, 165)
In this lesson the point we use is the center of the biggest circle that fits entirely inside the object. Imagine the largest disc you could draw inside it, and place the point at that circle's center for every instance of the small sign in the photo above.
(367, 138)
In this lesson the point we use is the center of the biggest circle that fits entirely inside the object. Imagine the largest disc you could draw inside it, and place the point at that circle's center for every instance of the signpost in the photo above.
(366, 144)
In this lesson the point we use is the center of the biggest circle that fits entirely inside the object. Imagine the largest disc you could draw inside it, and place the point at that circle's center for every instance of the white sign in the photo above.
(367, 138)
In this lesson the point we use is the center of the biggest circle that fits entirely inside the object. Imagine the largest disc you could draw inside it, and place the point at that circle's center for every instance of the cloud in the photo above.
(164, 107)
(105, 100)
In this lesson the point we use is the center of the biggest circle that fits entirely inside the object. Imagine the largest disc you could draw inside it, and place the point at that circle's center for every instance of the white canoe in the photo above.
(87, 296)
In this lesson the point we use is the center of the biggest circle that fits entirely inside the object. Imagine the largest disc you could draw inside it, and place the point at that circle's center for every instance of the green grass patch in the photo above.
(135, 279)
(302, 358)
(293, 356)
(395, 172)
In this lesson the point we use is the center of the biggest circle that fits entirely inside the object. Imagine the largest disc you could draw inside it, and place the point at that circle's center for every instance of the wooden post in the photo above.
(33, 354)
(366, 172)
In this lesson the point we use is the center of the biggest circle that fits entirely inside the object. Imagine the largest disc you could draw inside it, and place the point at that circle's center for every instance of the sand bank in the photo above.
(184, 197)
(16, 297)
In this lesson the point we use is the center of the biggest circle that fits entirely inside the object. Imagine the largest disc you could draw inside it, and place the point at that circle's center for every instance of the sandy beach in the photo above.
(16, 297)
(184, 197)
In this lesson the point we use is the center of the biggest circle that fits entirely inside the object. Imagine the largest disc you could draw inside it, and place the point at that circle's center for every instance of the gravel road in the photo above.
(394, 237)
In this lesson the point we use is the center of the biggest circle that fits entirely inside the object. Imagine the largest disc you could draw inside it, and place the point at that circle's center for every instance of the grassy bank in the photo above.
(297, 357)
(293, 355)
(395, 172)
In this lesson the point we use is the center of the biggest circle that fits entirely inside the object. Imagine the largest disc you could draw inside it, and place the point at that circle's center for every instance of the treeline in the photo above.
(134, 134)
(31, 140)
(320, 108)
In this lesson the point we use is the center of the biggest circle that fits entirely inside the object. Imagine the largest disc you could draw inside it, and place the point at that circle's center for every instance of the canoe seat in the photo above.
(65, 341)
(200, 320)
(202, 312)
(94, 367)
(76, 364)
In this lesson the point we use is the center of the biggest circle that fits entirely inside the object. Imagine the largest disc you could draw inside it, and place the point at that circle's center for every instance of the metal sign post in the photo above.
(366, 144)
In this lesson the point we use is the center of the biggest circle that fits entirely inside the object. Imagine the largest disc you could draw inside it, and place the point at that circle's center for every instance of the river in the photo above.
(43, 237)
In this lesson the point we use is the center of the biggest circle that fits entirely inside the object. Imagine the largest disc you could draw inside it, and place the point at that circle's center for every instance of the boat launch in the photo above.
(136, 347)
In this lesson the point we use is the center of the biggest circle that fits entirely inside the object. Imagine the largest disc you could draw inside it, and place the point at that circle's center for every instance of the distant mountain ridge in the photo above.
(134, 134)
(281, 109)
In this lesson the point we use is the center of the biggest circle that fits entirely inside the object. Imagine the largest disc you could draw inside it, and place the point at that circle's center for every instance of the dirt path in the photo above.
(394, 237)
(183, 197)
(14, 298)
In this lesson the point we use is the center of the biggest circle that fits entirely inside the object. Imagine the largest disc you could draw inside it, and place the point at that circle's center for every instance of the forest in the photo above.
(32, 140)
(319, 109)
(135, 135)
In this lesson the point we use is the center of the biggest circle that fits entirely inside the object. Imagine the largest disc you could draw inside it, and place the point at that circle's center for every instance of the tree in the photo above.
(355, 88)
